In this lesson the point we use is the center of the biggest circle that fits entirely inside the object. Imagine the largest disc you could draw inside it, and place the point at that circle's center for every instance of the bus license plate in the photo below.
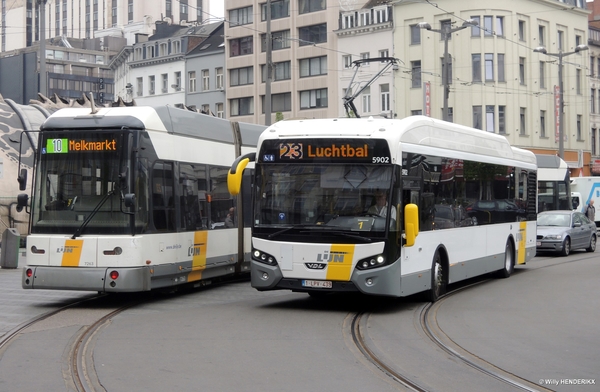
(321, 284)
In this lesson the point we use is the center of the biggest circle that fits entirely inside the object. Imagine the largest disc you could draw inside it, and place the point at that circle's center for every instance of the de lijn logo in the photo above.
(331, 257)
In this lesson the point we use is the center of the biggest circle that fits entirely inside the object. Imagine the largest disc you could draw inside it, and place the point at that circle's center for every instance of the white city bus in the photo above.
(460, 203)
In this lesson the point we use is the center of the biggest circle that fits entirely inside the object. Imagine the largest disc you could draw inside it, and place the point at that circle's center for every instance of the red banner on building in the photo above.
(427, 99)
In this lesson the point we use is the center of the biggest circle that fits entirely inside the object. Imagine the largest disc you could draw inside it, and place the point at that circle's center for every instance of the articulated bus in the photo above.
(386, 207)
(131, 199)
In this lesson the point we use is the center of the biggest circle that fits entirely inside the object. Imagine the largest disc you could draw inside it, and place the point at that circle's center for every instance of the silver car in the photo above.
(562, 231)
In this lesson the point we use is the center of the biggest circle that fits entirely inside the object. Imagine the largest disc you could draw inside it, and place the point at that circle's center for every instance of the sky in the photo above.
(217, 8)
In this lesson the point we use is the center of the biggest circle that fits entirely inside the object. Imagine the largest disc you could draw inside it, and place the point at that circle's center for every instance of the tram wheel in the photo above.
(566, 247)
(509, 261)
(438, 280)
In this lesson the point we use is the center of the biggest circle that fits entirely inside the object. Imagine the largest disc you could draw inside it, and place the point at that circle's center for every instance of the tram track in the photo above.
(428, 324)
(82, 374)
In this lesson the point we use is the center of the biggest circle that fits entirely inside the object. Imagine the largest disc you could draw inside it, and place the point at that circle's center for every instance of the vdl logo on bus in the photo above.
(331, 257)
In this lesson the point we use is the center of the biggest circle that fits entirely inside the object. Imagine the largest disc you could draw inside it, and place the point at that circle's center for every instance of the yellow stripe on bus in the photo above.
(72, 253)
(198, 251)
(522, 242)
(339, 266)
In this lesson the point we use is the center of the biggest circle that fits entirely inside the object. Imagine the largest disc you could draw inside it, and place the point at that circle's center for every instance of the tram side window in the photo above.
(221, 201)
(192, 191)
(163, 206)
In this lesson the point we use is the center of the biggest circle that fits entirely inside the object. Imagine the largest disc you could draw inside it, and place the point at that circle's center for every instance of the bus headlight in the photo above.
(263, 257)
(371, 262)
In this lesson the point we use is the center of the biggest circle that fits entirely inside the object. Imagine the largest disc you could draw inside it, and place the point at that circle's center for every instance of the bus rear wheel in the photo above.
(509, 261)
(438, 279)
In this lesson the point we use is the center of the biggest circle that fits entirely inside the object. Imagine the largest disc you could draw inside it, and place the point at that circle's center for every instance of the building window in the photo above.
(489, 67)
(192, 81)
(415, 68)
(365, 56)
(384, 53)
(205, 80)
(594, 132)
(240, 16)
(381, 15)
(313, 66)
(501, 77)
(241, 76)
(415, 35)
(560, 37)
(542, 35)
(177, 76)
(219, 81)
(446, 25)
(476, 30)
(500, 26)
(578, 81)
(279, 40)
(348, 20)
(165, 83)
(310, 99)
(205, 109)
(366, 100)
(306, 6)
(502, 120)
(219, 110)
(279, 9)
(281, 71)
(151, 84)
(488, 25)
(592, 66)
(140, 87)
(476, 63)
(477, 117)
(347, 61)
(241, 106)
(365, 18)
(240, 46)
(542, 123)
(542, 74)
(522, 71)
(315, 34)
(384, 93)
(521, 30)
(579, 134)
(490, 123)
(279, 102)
(522, 121)
(593, 101)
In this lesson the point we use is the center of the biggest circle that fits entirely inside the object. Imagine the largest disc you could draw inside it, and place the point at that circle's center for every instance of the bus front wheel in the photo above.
(438, 279)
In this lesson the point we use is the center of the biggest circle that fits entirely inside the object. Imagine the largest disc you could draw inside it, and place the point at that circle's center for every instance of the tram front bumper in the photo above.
(86, 279)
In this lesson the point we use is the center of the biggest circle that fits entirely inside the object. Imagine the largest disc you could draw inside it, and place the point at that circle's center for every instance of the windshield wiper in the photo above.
(272, 235)
(91, 215)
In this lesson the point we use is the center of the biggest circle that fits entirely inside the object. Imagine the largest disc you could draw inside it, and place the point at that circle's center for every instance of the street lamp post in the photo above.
(446, 31)
(561, 125)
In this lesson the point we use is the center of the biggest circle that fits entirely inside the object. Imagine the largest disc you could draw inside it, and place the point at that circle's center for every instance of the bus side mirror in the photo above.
(22, 179)
(22, 201)
(129, 200)
(411, 223)
(234, 175)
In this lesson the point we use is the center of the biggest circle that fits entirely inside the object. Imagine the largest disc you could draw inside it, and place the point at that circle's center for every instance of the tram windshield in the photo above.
(330, 197)
(82, 177)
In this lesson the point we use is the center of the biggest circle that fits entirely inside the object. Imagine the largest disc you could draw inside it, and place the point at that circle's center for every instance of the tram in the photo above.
(130, 199)
(387, 207)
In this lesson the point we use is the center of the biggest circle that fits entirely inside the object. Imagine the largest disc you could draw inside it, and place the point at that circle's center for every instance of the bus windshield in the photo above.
(80, 177)
(331, 197)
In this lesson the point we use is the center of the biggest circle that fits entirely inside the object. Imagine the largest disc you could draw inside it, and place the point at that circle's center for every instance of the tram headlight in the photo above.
(263, 257)
(371, 262)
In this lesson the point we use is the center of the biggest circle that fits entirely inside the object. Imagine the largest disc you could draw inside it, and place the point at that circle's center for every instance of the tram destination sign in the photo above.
(67, 145)
(325, 150)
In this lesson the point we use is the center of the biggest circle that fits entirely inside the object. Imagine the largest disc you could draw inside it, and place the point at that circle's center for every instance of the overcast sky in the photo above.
(217, 8)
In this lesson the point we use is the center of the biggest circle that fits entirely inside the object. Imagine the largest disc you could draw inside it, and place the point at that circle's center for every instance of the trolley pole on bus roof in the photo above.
(269, 67)
(561, 104)
(446, 31)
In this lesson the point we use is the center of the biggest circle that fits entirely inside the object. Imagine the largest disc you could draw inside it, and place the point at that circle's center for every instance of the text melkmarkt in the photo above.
(82, 145)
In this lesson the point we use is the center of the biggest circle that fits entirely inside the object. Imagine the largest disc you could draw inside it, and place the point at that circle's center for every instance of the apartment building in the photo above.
(498, 82)
(304, 59)
(85, 18)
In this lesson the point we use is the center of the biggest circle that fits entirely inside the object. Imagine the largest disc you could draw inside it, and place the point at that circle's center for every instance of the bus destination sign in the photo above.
(65, 145)
(325, 150)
